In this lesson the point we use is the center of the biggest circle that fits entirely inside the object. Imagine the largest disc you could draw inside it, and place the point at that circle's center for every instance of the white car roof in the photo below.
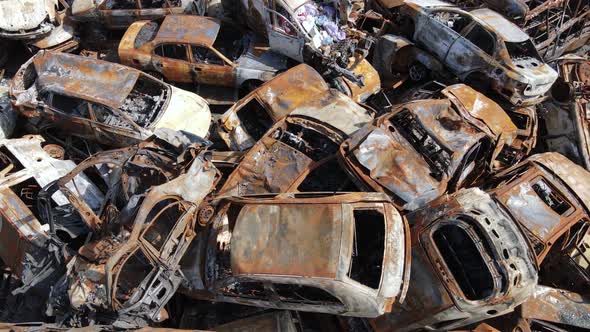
(509, 31)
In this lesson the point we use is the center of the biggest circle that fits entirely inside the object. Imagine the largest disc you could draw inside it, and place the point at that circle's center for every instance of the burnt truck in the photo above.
(470, 262)
(337, 253)
(155, 203)
(425, 148)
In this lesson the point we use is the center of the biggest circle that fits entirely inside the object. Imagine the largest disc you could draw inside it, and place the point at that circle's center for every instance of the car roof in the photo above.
(289, 240)
(86, 78)
(575, 177)
(189, 29)
(507, 30)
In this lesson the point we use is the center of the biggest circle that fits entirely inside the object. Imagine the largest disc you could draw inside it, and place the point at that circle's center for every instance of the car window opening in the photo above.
(368, 247)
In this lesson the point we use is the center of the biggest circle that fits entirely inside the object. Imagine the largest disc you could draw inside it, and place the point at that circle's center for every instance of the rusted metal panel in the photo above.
(188, 29)
(286, 230)
(100, 81)
(558, 306)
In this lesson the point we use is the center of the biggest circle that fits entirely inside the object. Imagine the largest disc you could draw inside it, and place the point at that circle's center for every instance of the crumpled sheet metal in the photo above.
(21, 227)
(558, 306)
(86, 78)
(384, 159)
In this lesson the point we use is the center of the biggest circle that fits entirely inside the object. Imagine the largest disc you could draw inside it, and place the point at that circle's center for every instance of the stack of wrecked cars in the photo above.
(295, 165)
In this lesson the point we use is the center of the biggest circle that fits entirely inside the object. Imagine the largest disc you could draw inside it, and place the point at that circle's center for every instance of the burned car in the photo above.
(425, 148)
(298, 153)
(247, 121)
(102, 101)
(470, 262)
(25, 245)
(203, 50)
(30, 19)
(546, 194)
(338, 253)
(565, 122)
(130, 267)
(482, 48)
(119, 14)
(317, 34)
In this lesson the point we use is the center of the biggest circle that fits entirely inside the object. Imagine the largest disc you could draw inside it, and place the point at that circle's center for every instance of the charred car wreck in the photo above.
(97, 100)
(130, 267)
(295, 165)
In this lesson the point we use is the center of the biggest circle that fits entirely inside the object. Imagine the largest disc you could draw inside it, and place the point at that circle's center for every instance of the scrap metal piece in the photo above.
(28, 19)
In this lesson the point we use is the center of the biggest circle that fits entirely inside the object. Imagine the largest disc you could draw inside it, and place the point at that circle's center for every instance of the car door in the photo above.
(172, 61)
(472, 51)
(119, 14)
(284, 37)
(68, 113)
(439, 29)
(208, 67)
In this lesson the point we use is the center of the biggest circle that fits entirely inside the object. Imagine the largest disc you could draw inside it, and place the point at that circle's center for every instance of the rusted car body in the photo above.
(102, 101)
(566, 122)
(470, 262)
(30, 19)
(247, 121)
(424, 148)
(482, 48)
(546, 194)
(27, 167)
(338, 253)
(132, 265)
(119, 14)
(203, 50)
(298, 153)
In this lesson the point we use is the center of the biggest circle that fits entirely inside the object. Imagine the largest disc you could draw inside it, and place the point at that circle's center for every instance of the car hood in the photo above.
(259, 57)
(18, 15)
(185, 111)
